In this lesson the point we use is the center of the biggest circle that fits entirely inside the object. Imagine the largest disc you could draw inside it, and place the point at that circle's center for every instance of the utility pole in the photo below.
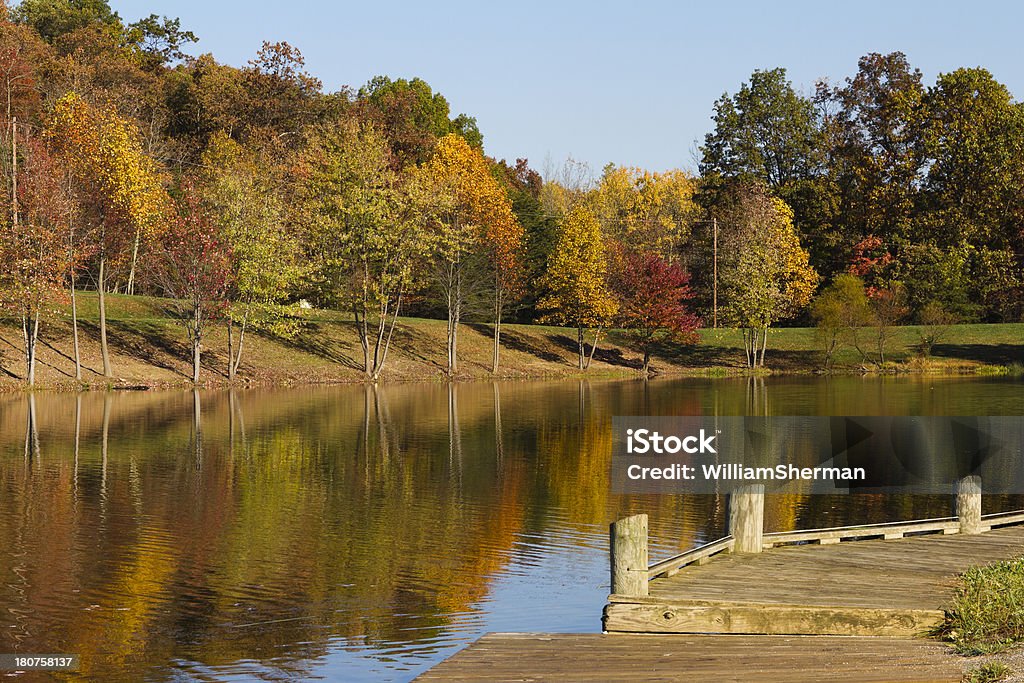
(715, 276)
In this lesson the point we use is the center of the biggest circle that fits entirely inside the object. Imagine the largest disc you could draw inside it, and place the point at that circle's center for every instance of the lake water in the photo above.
(360, 534)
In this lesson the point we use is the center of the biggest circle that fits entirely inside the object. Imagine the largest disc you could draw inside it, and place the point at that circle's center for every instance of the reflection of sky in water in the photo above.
(258, 555)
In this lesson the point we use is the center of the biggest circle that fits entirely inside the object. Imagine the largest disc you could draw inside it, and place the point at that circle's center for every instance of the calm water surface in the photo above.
(361, 534)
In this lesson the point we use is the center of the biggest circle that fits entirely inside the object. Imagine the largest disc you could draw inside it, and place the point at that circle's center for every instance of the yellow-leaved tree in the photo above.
(120, 187)
(475, 238)
(577, 292)
(766, 275)
(652, 212)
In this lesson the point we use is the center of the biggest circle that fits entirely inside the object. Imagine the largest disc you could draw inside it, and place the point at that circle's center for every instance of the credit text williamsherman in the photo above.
(739, 472)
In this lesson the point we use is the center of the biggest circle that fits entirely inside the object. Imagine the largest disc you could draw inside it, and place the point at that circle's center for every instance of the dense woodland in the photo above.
(244, 195)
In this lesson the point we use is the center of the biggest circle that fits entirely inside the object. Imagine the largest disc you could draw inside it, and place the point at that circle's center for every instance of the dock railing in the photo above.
(631, 572)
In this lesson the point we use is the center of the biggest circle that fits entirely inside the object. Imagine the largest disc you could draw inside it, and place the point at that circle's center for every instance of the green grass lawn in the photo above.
(150, 348)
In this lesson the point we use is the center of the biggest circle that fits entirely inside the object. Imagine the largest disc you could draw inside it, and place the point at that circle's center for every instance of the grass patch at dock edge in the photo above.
(986, 614)
(988, 673)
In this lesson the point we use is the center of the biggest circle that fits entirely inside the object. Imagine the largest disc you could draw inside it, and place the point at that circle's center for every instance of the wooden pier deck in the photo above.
(508, 657)
(845, 604)
(870, 588)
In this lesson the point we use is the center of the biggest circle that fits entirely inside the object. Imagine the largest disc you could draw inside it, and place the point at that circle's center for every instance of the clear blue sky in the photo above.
(626, 82)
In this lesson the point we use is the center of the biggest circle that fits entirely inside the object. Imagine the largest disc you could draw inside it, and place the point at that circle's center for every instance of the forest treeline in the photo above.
(244, 194)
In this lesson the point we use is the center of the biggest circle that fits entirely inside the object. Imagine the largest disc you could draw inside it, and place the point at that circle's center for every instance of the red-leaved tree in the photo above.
(193, 267)
(653, 297)
(32, 244)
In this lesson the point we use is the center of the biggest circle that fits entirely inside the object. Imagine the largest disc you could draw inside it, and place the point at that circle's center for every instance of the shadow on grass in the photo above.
(604, 354)
(993, 354)
(413, 343)
(312, 339)
(516, 341)
(142, 340)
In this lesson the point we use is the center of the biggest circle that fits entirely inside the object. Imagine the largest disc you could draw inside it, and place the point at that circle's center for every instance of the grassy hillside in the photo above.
(150, 349)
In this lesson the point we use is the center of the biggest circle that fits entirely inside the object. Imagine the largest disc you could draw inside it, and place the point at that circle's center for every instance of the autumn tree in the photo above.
(888, 309)
(283, 96)
(578, 294)
(412, 117)
(32, 243)
(22, 55)
(649, 211)
(363, 244)
(192, 265)
(524, 186)
(238, 186)
(475, 238)
(55, 18)
(653, 298)
(766, 276)
(116, 181)
(839, 312)
(875, 123)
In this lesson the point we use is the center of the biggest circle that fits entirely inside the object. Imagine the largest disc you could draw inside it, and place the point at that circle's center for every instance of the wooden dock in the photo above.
(609, 658)
(872, 580)
(868, 588)
(822, 604)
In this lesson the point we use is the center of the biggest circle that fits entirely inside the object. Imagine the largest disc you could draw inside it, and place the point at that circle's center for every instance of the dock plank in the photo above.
(767, 659)
(908, 573)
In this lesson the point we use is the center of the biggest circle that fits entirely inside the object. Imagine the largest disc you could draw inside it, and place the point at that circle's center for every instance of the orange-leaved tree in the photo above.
(475, 236)
(118, 183)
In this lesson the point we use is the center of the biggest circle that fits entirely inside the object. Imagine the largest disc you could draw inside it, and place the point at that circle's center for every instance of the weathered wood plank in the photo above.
(696, 556)
(677, 617)
(915, 573)
(866, 531)
(764, 659)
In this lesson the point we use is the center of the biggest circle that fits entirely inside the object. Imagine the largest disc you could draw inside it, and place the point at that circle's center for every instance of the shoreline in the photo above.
(939, 370)
(149, 352)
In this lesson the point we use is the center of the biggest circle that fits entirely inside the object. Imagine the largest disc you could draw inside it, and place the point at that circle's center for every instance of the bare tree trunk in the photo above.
(764, 344)
(32, 357)
(363, 329)
(231, 353)
(104, 350)
(497, 347)
(74, 329)
(454, 318)
(196, 344)
(378, 363)
(130, 288)
(498, 305)
(580, 347)
(241, 344)
(593, 348)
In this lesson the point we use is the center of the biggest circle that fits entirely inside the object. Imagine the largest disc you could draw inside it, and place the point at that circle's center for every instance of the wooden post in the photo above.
(968, 504)
(629, 556)
(746, 518)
